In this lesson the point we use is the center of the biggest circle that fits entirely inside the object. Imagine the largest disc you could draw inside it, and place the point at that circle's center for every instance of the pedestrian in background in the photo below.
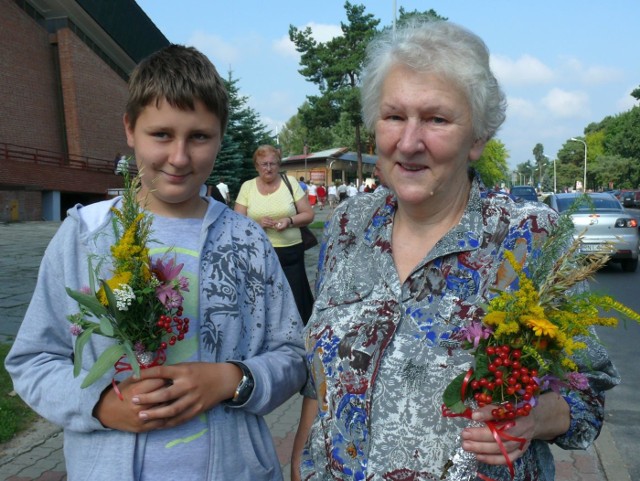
(280, 212)
(122, 165)
(333, 195)
(224, 190)
(303, 185)
(322, 195)
(312, 193)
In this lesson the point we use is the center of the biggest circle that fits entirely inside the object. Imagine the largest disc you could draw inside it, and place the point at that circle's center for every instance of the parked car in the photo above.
(602, 221)
(628, 198)
(524, 192)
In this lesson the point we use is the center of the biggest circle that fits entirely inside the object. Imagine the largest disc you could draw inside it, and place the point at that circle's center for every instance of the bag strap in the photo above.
(285, 179)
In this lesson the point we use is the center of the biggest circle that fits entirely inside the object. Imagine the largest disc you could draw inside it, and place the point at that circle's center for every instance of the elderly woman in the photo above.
(281, 208)
(405, 267)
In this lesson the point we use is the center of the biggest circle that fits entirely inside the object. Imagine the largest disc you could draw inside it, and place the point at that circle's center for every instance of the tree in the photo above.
(228, 164)
(492, 164)
(245, 132)
(293, 136)
(526, 173)
(335, 67)
(614, 171)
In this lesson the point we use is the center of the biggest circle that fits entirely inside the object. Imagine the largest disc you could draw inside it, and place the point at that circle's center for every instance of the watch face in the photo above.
(244, 390)
(245, 386)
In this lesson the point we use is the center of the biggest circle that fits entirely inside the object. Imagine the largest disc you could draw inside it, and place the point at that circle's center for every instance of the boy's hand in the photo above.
(123, 414)
(190, 389)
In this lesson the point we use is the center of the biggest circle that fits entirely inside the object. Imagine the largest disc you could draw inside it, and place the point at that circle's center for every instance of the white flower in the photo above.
(124, 297)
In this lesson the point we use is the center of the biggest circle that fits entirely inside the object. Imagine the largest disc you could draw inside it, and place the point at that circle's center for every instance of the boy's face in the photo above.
(175, 150)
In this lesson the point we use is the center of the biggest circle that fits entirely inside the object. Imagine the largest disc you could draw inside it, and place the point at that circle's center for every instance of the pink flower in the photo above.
(76, 329)
(475, 332)
(168, 292)
(578, 381)
(183, 284)
(166, 272)
(85, 290)
(168, 296)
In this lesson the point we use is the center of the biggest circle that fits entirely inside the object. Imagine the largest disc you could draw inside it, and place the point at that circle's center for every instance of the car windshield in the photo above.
(594, 203)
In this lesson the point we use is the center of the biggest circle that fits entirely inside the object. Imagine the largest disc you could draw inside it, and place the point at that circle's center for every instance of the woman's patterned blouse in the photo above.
(380, 353)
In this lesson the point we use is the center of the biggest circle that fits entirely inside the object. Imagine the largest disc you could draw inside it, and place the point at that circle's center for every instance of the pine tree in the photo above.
(245, 133)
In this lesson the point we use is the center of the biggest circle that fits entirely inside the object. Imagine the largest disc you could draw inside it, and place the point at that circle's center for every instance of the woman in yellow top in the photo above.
(267, 200)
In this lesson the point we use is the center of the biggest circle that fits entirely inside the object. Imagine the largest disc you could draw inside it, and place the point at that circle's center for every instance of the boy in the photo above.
(198, 416)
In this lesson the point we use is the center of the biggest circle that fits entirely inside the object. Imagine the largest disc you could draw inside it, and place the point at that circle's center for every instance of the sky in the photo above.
(561, 63)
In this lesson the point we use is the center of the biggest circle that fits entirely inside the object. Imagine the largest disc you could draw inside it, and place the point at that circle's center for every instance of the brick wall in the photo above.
(28, 102)
(51, 177)
(94, 98)
(19, 205)
(58, 95)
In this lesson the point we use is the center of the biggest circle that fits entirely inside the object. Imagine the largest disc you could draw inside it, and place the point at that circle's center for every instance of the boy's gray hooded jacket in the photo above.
(247, 313)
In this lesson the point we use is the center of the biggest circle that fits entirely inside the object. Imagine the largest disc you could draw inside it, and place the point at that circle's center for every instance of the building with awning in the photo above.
(328, 166)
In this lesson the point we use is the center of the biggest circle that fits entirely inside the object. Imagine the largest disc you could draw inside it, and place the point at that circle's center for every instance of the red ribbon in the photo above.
(122, 366)
(498, 431)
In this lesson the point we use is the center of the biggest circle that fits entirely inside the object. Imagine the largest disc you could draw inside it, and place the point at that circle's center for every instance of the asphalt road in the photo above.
(622, 404)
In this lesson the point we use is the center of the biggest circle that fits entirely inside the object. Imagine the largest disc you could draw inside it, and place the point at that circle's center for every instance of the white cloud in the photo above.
(627, 102)
(319, 31)
(285, 47)
(562, 103)
(523, 71)
(590, 75)
(520, 108)
(219, 51)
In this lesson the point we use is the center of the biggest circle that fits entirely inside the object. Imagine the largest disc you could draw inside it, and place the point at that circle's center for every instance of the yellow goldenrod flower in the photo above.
(113, 283)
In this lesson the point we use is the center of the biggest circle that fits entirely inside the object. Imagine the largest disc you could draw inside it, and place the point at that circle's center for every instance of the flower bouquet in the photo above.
(524, 345)
(140, 306)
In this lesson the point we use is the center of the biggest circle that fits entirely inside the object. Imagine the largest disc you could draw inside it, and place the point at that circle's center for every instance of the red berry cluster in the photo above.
(509, 384)
(168, 324)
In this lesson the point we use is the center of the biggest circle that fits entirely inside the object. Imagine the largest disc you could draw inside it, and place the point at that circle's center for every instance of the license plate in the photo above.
(593, 248)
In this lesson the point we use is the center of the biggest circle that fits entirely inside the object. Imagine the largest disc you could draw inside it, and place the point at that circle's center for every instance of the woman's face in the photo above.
(424, 136)
(268, 168)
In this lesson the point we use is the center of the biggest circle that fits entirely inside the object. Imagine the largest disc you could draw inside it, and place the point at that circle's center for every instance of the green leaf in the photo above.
(111, 299)
(81, 340)
(88, 301)
(482, 365)
(452, 396)
(105, 362)
(106, 327)
(133, 360)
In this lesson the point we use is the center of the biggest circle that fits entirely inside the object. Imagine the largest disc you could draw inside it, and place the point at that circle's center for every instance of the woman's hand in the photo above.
(283, 224)
(268, 223)
(549, 419)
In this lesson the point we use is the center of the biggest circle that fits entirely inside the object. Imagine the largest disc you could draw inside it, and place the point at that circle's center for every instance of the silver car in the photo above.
(602, 221)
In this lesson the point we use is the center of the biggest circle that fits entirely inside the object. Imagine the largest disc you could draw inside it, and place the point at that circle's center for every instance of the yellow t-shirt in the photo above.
(276, 205)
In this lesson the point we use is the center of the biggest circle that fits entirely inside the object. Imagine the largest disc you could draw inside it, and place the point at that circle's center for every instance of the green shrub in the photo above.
(15, 415)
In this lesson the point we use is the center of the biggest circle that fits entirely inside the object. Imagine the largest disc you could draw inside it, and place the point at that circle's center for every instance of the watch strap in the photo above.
(245, 386)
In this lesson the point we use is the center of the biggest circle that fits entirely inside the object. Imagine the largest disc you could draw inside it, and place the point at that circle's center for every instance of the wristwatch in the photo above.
(245, 387)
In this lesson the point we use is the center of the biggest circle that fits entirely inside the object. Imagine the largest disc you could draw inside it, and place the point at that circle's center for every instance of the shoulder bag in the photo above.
(309, 240)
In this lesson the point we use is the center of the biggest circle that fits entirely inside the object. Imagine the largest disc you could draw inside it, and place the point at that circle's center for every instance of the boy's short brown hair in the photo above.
(180, 75)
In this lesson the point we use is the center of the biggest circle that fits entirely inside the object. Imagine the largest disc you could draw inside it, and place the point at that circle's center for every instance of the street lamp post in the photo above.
(554, 173)
(584, 186)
